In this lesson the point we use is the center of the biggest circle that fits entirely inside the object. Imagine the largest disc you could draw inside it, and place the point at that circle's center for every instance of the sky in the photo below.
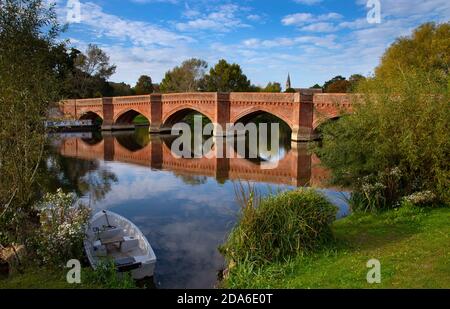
(313, 40)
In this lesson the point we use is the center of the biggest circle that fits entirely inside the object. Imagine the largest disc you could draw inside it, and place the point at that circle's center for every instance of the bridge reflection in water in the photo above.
(185, 207)
(292, 166)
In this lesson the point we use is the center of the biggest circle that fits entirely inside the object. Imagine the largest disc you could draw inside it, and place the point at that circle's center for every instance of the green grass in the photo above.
(413, 246)
(140, 120)
(46, 278)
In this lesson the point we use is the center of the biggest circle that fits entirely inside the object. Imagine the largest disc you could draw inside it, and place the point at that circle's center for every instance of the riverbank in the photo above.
(412, 245)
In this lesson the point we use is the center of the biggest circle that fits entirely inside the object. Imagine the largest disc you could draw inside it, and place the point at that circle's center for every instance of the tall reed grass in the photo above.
(278, 226)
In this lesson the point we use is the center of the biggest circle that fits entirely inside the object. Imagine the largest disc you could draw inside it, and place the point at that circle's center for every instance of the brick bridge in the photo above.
(302, 112)
(296, 168)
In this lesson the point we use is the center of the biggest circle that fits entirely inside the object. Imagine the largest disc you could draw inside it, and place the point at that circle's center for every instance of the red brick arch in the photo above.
(262, 109)
(133, 112)
(187, 107)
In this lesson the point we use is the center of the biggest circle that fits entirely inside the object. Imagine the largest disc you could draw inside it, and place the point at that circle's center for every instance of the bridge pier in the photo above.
(303, 134)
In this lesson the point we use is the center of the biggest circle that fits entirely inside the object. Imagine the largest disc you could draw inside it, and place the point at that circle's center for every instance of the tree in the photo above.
(426, 49)
(225, 77)
(91, 72)
(185, 78)
(397, 141)
(144, 85)
(28, 85)
(272, 87)
(334, 79)
(290, 90)
(316, 86)
(339, 86)
(120, 89)
(354, 80)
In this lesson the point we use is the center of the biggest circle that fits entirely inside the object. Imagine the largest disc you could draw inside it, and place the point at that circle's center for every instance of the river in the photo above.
(185, 207)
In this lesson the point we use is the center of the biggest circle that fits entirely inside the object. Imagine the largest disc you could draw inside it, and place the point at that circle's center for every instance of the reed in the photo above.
(278, 226)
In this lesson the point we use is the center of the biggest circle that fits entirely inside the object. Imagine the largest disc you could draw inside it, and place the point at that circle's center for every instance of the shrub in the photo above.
(62, 226)
(400, 125)
(280, 226)
(106, 276)
(423, 198)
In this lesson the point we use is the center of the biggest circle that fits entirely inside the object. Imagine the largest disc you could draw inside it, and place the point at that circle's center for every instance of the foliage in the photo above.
(290, 90)
(331, 81)
(62, 226)
(339, 86)
(316, 86)
(120, 89)
(144, 85)
(272, 87)
(354, 80)
(398, 124)
(420, 199)
(185, 78)
(279, 226)
(225, 77)
(106, 276)
(427, 49)
(29, 83)
(90, 72)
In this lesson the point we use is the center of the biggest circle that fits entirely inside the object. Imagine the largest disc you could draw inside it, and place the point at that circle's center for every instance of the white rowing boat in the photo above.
(112, 236)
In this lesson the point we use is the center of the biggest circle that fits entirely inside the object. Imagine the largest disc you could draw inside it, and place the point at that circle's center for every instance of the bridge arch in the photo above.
(249, 114)
(177, 115)
(128, 117)
(90, 115)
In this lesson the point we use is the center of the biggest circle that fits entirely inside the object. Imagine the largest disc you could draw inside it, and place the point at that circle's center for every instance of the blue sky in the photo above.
(313, 40)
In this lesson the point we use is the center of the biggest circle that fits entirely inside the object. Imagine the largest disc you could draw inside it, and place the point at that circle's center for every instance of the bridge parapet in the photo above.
(303, 112)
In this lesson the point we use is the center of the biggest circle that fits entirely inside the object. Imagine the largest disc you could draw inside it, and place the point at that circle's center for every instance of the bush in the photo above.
(106, 276)
(62, 227)
(401, 125)
(280, 226)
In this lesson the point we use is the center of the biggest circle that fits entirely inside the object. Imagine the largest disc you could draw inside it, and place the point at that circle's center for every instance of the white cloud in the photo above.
(319, 27)
(223, 19)
(299, 19)
(137, 32)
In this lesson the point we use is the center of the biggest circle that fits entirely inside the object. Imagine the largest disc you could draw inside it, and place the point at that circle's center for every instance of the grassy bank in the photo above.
(412, 244)
(34, 277)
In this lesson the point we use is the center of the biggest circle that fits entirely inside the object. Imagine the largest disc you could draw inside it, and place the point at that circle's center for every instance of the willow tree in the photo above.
(28, 85)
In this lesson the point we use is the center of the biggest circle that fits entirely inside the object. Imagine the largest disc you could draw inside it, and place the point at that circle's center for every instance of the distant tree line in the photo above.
(86, 75)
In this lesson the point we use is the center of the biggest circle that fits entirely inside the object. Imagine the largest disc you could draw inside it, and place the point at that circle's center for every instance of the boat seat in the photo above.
(127, 264)
(129, 244)
(110, 232)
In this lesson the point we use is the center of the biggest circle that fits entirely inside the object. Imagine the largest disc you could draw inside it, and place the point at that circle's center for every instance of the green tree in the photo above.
(290, 90)
(225, 77)
(185, 78)
(397, 141)
(28, 85)
(331, 81)
(339, 86)
(316, 86)
(354, 80)
(120, 89)
(426, 49)
(272, 87)
(144, 85)
(91, 72)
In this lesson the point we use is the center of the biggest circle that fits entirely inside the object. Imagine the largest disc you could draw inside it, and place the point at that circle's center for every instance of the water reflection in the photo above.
(185, 207)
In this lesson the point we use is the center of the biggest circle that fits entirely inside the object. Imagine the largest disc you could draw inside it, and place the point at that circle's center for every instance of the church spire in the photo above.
(288, 82)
